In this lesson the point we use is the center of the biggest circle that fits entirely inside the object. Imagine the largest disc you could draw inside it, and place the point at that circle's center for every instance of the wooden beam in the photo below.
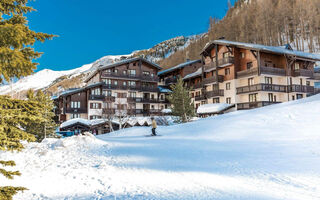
(254, 54)
(229, 49)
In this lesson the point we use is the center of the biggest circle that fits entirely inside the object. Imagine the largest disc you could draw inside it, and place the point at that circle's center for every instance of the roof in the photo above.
(164, 90)
(194, 74)
(121, 63)
(213, 108)
(86, 122)
(264, 48)
(181, 65)
(77, 90)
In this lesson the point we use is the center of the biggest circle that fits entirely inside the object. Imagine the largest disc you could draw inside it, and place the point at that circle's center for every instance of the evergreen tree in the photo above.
(16, 60)
(45, 128)
(181, 101)
(14, 116)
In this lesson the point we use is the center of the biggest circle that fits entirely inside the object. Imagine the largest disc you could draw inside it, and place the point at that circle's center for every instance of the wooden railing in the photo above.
(262, 87)
(213, 79)
(257, 104)
(214, 93)
(303, 72)
(171, 80)
(248, 72)
(212, 66)
(301, 88)
(128, 87)
(130, 76)
(273, 71)
(76, 110)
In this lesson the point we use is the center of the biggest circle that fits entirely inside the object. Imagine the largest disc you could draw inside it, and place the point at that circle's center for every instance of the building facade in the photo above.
(126, 88)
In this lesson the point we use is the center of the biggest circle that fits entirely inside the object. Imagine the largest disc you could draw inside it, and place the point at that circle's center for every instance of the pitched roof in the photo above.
(264, 48)
(125, 61)
(181, 65)
(77, 90)
(194, 74)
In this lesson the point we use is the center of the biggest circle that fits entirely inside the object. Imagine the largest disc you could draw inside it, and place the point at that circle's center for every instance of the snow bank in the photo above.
(213, 108)
(267, 153)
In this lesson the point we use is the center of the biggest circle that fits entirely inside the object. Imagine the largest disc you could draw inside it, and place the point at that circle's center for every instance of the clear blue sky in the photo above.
(89, 30)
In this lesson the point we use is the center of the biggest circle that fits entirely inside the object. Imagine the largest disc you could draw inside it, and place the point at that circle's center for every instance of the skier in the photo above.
(154, 126)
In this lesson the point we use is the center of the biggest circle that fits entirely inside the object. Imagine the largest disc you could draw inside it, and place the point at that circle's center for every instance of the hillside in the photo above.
(266, 22)
(269, 153)
(57, 81)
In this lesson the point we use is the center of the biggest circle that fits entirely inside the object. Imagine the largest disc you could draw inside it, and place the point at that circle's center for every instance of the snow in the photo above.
(74, 121)
(194, 74)
(213, 108)
(164, 90)
(168, 110)
(274, 49)
(269, 153)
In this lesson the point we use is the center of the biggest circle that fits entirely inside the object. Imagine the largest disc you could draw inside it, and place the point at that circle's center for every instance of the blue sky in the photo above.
(89, 30)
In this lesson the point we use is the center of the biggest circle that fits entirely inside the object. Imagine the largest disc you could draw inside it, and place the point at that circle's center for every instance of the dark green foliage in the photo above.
(45, 128)
(181, 101)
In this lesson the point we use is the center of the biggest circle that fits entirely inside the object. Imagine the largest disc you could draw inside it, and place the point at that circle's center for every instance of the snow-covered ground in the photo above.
(267, 153)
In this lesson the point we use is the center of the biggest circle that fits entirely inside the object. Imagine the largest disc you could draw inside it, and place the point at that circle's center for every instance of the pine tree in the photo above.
(16, 60)
(181, 101)
(14, 116)
(45, 128)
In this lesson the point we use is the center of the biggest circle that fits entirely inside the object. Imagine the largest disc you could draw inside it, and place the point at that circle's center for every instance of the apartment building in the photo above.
(251, 75)
(125, 88)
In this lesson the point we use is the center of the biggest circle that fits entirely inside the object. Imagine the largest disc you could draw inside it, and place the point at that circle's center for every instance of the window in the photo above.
(75, 104)
(152, 96)
(296, 66)
(228, 100)
(299, 96)
(108, 71)
(268, 80)
(132, 72)
(109, 93)
(270, 97)
(124, 83)
(124, 72)
(293, 97)
(226, 55)
(115, 82)
(115, 71)
(250, 81)
(131, 83)
(95, 105)
(162, 97)
(228, 86)
(134, 64)
(152, 107)
(253, 97)
(146, 73)
(132, 94)
(107, 81)
(301, 81)
(242, 54)
(215, 100)
(249, 65)
(73, 116)
(203, 102)
(227, 71)
(95, 91)
(95, 117)
(308, 83)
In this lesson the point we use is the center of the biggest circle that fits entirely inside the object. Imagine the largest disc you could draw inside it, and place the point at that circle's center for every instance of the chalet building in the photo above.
(251, 75)
(125, 88)
(171, 75)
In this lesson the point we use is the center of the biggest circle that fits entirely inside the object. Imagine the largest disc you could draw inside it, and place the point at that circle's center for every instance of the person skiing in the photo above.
(154, 126)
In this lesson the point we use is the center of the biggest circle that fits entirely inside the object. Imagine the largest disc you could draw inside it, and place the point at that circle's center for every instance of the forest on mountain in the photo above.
(268, 22)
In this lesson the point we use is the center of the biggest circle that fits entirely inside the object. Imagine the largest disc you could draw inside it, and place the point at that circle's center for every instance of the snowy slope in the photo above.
(267, 153)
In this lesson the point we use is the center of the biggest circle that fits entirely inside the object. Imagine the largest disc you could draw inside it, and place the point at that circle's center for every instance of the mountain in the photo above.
(269, 153)
(58, 81)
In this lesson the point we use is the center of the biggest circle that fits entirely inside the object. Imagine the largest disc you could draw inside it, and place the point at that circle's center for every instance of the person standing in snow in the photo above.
(154, 126)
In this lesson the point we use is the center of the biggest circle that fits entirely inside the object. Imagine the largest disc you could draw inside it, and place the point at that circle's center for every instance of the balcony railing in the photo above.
(142, 100)
(96, 97)
(215, 93)
(301, 88)
(108, 111)
(130, 76)
(248, 72)
(251, 105)
(76, 110)
(221, 63)
(273, 71)
(213, 79)
(195, 86)
(210, 66)
(199, 97)
(171, 80)
(149, 89)
(262, 87)
(130, 87)
(303, 72)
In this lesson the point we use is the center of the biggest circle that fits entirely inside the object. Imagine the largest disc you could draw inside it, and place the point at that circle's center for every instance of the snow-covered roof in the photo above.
(194, 74)
(168, 110)
(121, 63)
(164, 90)
(74, 121)
(273, 49)
(213, 108)
(181, 65)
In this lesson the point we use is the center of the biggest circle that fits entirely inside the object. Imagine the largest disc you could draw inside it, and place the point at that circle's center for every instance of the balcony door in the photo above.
(146, 95)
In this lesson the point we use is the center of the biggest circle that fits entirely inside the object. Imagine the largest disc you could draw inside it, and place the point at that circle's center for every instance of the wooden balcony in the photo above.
(108, 111)
(199, 98)
(210, 67)
(303, 73)
(195, 86)
(143, 77)
(214, 93)
(273, 71)
(213, 79)
(76, 110)
(225, 61)
(249, 72)
(171, 80)
(130, 87)
(96, 97)
(262, 87)
(301, 88)
(149, 89)
(142, 100)
(251, 105)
